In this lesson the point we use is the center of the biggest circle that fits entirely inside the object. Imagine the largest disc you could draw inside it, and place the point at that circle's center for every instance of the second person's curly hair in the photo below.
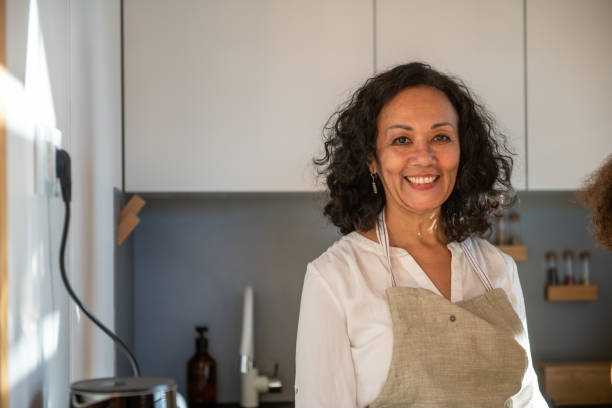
(597, 195)
(483, 177)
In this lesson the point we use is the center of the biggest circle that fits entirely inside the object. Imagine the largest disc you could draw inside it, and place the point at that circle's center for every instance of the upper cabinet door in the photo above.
(233, 95)
(481, 41)
(569, 82)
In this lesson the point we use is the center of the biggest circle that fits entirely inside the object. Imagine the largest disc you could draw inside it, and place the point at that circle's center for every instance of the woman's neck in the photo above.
(407, 229)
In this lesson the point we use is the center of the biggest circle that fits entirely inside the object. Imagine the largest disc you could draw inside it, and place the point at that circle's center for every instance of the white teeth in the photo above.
(422, 180)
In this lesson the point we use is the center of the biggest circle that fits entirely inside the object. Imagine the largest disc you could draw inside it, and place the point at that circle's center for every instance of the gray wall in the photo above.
(563, 330)
(193, 256)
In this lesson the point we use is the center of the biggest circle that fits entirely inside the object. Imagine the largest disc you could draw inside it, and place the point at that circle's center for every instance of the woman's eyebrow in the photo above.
(435, 125)
(442, 124)
(405, 127)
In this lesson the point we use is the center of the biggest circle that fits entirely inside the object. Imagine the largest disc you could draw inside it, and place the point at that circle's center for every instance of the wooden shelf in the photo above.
(576, 382)
(517, 252)
(571, 293)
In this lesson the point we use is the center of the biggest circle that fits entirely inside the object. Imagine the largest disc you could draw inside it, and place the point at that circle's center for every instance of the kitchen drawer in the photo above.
(577, 382)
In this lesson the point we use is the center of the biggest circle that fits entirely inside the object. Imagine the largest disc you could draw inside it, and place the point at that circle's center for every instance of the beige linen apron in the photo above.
(445, 354)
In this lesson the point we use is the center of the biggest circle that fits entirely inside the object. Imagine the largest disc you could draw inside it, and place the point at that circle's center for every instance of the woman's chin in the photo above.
(424, 202)
(421, 208)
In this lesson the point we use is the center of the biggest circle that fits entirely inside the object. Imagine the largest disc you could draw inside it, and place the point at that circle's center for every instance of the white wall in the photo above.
(63, 58)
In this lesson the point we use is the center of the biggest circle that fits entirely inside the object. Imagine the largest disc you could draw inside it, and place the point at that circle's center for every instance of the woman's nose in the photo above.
(422, 154)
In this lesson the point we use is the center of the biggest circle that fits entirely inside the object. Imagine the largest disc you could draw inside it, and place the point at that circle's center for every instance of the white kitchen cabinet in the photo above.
(480, 41)
(569, 90)
(233, 95)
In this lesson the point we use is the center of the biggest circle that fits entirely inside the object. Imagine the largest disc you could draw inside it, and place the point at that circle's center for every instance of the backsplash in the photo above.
(193, 255)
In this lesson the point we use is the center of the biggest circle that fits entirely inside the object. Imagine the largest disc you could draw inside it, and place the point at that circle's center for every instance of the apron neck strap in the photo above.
(383, 237)
(382, 233)
(467, 246)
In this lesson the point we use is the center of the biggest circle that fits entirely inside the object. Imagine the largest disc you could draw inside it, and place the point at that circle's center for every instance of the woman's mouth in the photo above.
(421, 182)
(421, 179)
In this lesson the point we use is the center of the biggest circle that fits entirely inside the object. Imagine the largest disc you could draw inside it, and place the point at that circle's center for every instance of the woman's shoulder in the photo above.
(343, 256)
(503, 273)
(491, 251)
(497, 264)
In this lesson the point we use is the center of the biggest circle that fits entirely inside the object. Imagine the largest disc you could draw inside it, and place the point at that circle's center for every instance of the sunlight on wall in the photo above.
(34, 318)
(37, 84)
(30, 351)
(30, 103)
(13, 90)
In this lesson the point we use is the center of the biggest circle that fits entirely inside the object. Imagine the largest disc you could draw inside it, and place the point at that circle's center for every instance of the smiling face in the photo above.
(417, 149)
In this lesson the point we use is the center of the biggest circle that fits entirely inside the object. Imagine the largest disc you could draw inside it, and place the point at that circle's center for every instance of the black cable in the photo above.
(63, 172)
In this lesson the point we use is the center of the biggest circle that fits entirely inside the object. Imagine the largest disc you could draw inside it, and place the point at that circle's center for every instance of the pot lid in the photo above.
(114, 385)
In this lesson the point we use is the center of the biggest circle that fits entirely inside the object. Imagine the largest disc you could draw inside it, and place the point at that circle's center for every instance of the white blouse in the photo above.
(345, 337)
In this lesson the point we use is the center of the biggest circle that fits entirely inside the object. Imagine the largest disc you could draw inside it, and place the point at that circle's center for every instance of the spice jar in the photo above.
(552, 277)
(585, 260)
(500, 229)
(515, 229)
(568, 258)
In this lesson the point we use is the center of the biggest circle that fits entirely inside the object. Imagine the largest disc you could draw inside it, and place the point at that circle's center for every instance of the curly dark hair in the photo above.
(597, 195)
(483, 178)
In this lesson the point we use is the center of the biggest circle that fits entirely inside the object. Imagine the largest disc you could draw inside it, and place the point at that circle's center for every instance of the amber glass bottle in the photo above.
(201, 375)
(552, 278)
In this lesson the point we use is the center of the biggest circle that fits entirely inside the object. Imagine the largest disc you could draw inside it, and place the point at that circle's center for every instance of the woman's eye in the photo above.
(441, 138)
(401, 140)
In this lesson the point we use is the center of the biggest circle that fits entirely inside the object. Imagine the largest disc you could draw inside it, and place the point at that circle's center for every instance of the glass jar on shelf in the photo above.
(501, 234)
(585, 260)
(552, 277)
(568, 259)
(515, 229)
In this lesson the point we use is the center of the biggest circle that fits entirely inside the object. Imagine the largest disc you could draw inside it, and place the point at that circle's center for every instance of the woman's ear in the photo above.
(372, 165)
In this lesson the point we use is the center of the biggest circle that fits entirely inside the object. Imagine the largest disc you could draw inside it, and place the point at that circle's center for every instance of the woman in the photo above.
(409, 308)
